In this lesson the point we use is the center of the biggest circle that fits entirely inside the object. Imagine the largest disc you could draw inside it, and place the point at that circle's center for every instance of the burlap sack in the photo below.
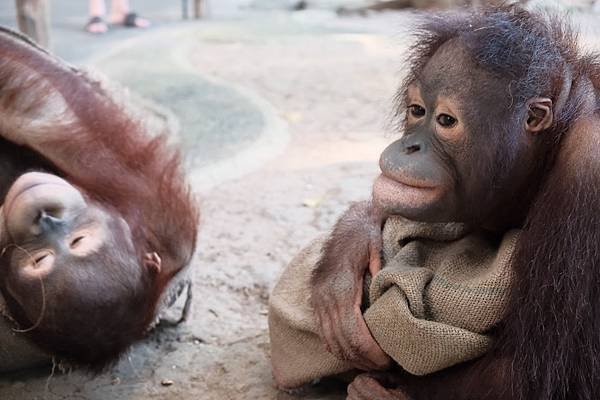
(432, 305)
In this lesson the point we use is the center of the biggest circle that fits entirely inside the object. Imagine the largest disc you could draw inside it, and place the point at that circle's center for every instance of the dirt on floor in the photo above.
(323, 88)
(324, 94)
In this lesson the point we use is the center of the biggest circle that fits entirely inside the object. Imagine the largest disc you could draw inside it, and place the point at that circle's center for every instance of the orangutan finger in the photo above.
(345, 335)
(336, 337)
(352, 344)
(354, 393)
(374, 259)
(320, 331)
(372, 351)
(364, 387)
(328, 335)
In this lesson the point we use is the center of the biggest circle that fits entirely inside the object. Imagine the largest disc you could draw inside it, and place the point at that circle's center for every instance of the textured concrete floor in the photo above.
(282, 118)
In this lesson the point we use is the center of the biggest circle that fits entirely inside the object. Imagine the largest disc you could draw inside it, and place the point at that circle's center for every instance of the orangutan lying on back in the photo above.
(96, 216)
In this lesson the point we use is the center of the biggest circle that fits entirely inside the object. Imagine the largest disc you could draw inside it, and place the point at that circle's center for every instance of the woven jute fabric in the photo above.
(440, 292)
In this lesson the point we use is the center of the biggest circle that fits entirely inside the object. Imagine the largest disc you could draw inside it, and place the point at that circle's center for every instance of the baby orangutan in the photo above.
(97, 218)
(485, 222)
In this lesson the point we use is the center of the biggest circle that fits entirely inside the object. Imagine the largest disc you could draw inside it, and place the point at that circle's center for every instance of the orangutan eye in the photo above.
(75, 242)
(446, 121)
(40, 258)
(39, 261)
(416, 110)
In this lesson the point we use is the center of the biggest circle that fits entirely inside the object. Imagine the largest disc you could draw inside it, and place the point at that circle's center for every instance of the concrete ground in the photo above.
(282, 117)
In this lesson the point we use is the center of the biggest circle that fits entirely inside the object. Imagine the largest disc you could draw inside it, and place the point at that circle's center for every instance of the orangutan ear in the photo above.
(539, 114)
(153, 262)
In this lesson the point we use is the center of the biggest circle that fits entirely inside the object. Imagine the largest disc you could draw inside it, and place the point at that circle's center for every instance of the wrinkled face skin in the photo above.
(459, 157)
(51, 230)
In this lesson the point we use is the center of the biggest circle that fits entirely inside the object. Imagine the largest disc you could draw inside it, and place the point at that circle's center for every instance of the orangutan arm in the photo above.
(337, 284)
(487, 378)
(67, 117)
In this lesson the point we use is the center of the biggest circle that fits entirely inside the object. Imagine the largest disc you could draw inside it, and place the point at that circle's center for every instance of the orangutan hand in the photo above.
(337, 287)
(367, 387)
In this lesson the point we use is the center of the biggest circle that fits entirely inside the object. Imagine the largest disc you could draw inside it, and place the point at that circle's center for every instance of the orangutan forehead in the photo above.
(449, 71)
(415, 92)
(452, 72)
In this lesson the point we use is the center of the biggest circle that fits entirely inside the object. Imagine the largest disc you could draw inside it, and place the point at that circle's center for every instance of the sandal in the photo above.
(97, 21)
(132, 20)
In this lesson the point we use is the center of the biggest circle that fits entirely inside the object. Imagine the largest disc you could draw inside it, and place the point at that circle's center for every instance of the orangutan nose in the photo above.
(48, 221)
(413, 148)
(411, 144)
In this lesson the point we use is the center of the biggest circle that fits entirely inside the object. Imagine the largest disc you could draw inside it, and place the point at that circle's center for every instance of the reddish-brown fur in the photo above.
(548, 344)
(106, 153)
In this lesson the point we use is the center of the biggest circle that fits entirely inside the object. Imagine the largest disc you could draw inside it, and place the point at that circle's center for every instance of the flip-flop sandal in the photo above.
(130, 20)
(96, 20)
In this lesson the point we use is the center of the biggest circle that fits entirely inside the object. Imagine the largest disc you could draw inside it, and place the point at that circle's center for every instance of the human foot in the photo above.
(96, 25)
(130, 20)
